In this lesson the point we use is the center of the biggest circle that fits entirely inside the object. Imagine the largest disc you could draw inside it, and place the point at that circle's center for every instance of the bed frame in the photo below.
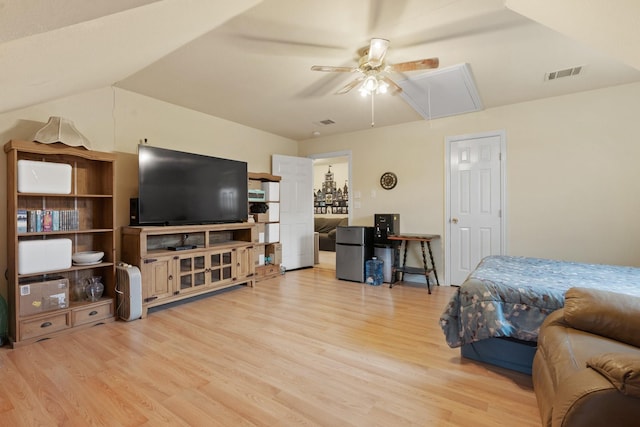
(508, 353)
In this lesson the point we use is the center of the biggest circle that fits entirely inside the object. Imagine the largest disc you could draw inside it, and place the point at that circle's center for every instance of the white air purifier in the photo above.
(129, 290)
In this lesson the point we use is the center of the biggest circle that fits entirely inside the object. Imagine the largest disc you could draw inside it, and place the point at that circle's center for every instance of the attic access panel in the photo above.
(440, 93)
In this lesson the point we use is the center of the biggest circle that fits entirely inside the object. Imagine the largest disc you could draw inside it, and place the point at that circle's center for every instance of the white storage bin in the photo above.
(272, 233)
(44, 177)
(37, 256)
(273, 214)
(271, 191)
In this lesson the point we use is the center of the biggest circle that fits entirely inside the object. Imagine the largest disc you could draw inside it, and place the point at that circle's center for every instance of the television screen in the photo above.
(178, 188)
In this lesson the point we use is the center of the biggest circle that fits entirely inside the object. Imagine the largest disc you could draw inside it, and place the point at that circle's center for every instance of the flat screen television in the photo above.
(179, 188)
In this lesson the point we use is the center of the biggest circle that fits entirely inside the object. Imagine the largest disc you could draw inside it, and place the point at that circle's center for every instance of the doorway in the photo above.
(332, 200)
(475, 202)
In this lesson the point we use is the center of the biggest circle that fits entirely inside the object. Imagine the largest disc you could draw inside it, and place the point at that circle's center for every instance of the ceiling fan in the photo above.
(374, 78)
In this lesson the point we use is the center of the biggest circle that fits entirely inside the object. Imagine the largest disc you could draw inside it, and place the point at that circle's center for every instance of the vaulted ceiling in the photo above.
(249, 61)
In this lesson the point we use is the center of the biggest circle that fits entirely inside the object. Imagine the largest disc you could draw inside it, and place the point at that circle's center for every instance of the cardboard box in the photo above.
(274, 251)
(37, 297)
(261, 217)
(259, 255)
(255, 185)
(261, 232)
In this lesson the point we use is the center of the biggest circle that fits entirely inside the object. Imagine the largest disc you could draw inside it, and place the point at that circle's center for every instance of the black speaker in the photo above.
(134, 211)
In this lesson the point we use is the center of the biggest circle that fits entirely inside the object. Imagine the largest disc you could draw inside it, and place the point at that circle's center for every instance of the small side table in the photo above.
(425, 269)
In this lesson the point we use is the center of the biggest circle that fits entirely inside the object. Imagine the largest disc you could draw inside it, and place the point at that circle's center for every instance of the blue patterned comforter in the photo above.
(508, 296)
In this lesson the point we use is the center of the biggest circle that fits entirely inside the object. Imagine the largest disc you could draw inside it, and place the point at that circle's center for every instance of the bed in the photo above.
(496, 313)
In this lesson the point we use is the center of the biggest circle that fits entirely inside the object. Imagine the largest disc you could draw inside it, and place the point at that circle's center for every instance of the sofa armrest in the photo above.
(604, 313)
(621, 369)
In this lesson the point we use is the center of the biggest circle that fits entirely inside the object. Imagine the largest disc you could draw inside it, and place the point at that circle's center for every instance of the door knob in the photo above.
(454, 220)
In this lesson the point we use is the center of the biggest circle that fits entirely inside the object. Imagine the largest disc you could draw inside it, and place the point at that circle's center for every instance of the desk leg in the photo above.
(396, 263)
(404, 259)
(426, 267)
(435, 273)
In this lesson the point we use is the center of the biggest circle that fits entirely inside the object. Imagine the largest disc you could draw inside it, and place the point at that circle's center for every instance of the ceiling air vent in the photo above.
(567, 72)
(444, 92)
(327, 122)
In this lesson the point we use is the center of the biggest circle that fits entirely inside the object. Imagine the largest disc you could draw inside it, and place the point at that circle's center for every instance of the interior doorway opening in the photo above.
(331, 202)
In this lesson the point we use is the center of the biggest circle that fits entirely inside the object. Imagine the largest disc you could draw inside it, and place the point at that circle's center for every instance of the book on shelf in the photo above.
(55, 220)
(48, 220)
(22, 220)
(38, 221)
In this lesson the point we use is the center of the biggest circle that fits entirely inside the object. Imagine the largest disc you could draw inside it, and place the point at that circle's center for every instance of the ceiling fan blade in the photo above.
(333, 69)
(350, 86)
(421, 64)
(393, 86)
(377, 51)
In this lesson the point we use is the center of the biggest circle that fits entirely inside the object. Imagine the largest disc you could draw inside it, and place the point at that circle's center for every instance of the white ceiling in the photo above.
(249, 61)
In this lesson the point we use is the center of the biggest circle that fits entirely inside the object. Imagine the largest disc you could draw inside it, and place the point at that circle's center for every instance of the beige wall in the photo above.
(116, 120)
(572, 174)
(572, 169)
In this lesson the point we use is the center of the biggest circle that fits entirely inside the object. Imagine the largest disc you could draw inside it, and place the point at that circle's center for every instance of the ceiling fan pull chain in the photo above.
(373, 95)
(429, 105)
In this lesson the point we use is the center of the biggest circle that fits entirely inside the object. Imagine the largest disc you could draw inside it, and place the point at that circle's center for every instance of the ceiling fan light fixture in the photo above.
(373, 85)
(383, 86)
(370, 84)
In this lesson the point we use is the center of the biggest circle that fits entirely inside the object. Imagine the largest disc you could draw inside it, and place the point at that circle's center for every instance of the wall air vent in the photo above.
(567, 72)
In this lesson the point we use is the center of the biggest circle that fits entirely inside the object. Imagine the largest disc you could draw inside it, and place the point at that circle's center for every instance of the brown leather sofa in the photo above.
(326, 227)
(586, 371)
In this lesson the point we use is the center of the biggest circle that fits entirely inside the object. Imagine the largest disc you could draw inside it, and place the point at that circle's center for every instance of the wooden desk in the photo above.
(406, 238)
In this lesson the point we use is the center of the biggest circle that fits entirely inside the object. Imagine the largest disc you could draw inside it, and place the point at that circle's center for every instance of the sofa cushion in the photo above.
(342, 223)
(604, 313)
(621, 369)
(325, 225)
(569, 393)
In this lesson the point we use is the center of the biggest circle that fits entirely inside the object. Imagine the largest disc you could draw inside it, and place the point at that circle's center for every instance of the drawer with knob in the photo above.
(44, 325)
(92, 313)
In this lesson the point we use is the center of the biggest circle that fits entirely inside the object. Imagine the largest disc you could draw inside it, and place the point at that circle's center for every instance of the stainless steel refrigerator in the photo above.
(354, 246)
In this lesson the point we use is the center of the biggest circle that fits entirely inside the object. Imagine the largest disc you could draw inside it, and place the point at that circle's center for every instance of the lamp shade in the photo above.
(59, 129)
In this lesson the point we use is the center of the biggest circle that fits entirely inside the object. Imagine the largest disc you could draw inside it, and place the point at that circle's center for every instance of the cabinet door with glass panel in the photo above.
(222, 267)
(192, 272)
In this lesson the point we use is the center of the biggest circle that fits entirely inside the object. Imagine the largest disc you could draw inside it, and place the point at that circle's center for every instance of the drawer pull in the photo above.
(46, 324)
(93, 313)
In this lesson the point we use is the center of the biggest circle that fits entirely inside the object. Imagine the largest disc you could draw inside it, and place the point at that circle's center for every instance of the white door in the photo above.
(476, 202)
(296, 209)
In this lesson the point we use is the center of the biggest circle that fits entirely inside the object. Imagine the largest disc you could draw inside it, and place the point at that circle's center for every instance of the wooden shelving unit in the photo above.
(92, 197)
(269, 223)
(222, 256)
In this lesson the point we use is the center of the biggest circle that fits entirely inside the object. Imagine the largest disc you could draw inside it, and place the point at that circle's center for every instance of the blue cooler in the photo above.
(374, 272)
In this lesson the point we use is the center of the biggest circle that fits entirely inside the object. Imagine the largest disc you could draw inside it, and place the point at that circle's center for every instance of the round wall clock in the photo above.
(388, 180)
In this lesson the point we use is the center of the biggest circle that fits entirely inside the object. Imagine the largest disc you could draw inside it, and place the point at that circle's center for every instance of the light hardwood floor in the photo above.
(300, 349)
